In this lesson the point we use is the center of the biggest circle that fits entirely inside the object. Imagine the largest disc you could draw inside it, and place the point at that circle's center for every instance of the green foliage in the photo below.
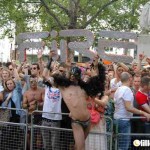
(18, 15)
(45, 15)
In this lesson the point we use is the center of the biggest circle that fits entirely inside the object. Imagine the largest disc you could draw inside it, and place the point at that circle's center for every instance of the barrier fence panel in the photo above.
(13, 133)
(129, 139)
(52, 138)
(51, 135)
(135, 141)
(100, 136)
(58, 135)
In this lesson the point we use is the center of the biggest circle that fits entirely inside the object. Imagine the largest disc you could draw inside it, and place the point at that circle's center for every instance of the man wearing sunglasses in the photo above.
(33, 100)
(35, 71)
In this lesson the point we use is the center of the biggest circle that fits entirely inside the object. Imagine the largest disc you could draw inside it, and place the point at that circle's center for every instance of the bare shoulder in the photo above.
(40, 89)
(26, 93)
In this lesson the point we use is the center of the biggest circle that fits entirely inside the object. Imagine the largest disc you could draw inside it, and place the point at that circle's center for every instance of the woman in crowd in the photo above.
(96, 106)
(11, 98)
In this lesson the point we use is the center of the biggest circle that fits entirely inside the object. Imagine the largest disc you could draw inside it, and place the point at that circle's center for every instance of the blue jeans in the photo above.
(123, 126)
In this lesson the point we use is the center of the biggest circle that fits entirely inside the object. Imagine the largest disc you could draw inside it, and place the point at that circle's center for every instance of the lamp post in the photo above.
(11, 38)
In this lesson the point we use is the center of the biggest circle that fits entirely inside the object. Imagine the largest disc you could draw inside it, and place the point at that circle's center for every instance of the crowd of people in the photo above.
(86, 92)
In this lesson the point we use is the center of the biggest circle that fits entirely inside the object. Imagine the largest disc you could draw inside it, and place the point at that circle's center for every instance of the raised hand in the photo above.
(141, 56)
(13, 63)
(68, 62)
(148, 60)
(40, 54)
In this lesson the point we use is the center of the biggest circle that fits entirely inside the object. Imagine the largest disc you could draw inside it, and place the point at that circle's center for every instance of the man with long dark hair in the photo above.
(75, 92)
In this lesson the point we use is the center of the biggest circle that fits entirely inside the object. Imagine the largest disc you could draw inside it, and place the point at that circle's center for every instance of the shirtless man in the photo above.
(75, 92)
(33, 98)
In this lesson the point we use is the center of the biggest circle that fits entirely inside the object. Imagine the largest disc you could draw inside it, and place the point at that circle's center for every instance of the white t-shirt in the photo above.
(114, 85)
(122, 94)
(52, 103)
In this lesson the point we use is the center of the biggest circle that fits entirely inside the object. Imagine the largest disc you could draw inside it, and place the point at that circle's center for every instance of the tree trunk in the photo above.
(72, 24)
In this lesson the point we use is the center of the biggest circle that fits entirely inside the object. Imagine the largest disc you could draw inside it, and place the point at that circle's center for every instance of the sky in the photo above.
(4, 50)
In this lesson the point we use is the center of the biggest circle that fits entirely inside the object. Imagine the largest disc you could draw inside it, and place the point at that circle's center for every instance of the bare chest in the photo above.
(36, 95)
(73, 93)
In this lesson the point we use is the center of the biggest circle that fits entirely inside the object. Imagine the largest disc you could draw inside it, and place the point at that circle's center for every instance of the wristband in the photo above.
(48, 66)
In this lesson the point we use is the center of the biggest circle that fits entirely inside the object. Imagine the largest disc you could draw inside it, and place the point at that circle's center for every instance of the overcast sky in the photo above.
(4, 50)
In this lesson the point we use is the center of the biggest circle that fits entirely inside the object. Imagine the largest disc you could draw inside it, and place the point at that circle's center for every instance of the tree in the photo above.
(75, 14)
(19, 14)
(33, 15)
(119, 15)
(70, 14)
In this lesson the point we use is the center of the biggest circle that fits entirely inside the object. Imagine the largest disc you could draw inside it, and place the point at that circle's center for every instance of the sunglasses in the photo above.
(34, 68)
(33, 81)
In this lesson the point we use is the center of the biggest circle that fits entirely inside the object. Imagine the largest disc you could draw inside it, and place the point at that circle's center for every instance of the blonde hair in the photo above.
(5, 69)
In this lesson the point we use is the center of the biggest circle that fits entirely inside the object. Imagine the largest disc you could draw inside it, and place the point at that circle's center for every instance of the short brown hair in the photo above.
(36, 64)
(145, 80)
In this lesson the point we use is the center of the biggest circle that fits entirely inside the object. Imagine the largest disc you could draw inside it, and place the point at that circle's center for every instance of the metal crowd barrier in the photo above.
(45, 135)
(55, 135)
(49, 135)
(136, 139)
(100, 136)
(13, 131)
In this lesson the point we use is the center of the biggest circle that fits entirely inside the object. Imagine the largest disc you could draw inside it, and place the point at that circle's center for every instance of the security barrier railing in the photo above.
(132, 134)
(54, 134)
(13, 132)
(44, 134)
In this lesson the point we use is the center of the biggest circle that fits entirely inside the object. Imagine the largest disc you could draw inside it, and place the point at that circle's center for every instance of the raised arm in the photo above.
(140, 59)
(96, 84)
(16, 75)
(40, 61)
(54, 77)
(20, 67)
(47, 70)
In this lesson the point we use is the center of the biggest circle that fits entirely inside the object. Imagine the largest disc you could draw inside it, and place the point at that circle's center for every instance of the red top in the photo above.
(141, 98)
